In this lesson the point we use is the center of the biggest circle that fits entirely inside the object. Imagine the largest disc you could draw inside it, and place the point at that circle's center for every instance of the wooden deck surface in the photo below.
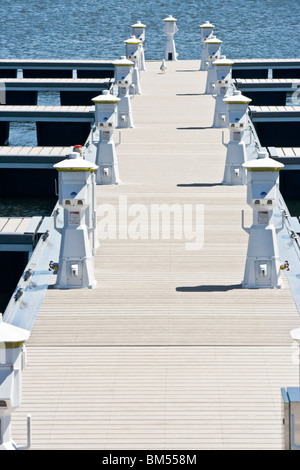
(13, 151)
(167, 352)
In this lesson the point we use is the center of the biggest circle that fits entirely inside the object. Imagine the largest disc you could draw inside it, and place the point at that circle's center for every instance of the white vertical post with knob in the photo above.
(133, 53)
(237, 109)
(12, 363)
(139, 31)
(223, 83)
(263, 267)
(123, 80)
(106, 119)
(214, 53)
(206, 31)
(76, 256)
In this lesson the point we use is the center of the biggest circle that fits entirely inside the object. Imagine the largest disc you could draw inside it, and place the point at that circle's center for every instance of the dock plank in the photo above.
(14, 224)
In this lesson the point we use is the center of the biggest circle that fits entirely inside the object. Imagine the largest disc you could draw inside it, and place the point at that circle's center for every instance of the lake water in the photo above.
(94, 29)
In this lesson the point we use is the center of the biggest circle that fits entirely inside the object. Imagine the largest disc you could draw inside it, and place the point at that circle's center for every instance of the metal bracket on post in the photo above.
(55, 215)
(247, 230)
(28, 445)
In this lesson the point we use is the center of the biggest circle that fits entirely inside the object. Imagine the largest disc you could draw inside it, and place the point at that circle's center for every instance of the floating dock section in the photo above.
(276, 126)
(9, 68)
(73, 91)
(268, 92)
(168, 351)
(55, 125)
(266, 68)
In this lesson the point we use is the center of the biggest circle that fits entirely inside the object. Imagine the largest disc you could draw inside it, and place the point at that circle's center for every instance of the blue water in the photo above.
(96, 29)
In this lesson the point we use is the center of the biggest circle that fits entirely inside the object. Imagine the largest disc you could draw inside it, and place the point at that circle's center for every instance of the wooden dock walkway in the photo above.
(167, 352)
(56, 68)
(57, 84)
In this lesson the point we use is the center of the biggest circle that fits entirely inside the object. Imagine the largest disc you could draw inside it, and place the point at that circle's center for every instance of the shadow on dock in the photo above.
(192, 128)
(209, 288)
(190, 94)
(198, 185)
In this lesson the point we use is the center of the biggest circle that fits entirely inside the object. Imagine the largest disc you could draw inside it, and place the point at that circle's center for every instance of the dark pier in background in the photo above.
(290, 174)
(267, 92)
(56, 68)
(263, 68)
(276, 126)
(31, 170)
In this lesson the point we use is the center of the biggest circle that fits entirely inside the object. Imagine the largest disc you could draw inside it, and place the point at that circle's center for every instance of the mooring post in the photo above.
(206, 31)
(213, 45)
(223, 68)
(123, 80)
(170, 28)
(133, 53)
(236, 155)
(106, 120)
(76, 256)
(139, 30)
(12, 363)
(263, 267)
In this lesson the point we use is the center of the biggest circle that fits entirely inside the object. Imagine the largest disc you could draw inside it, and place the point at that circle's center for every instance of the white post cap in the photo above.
(138, 24)
(123, 61)
(263, 163)
(295, 334)
(12, 336)
(237, 98)
(207, 24)
(170, 18)
(105, 98)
